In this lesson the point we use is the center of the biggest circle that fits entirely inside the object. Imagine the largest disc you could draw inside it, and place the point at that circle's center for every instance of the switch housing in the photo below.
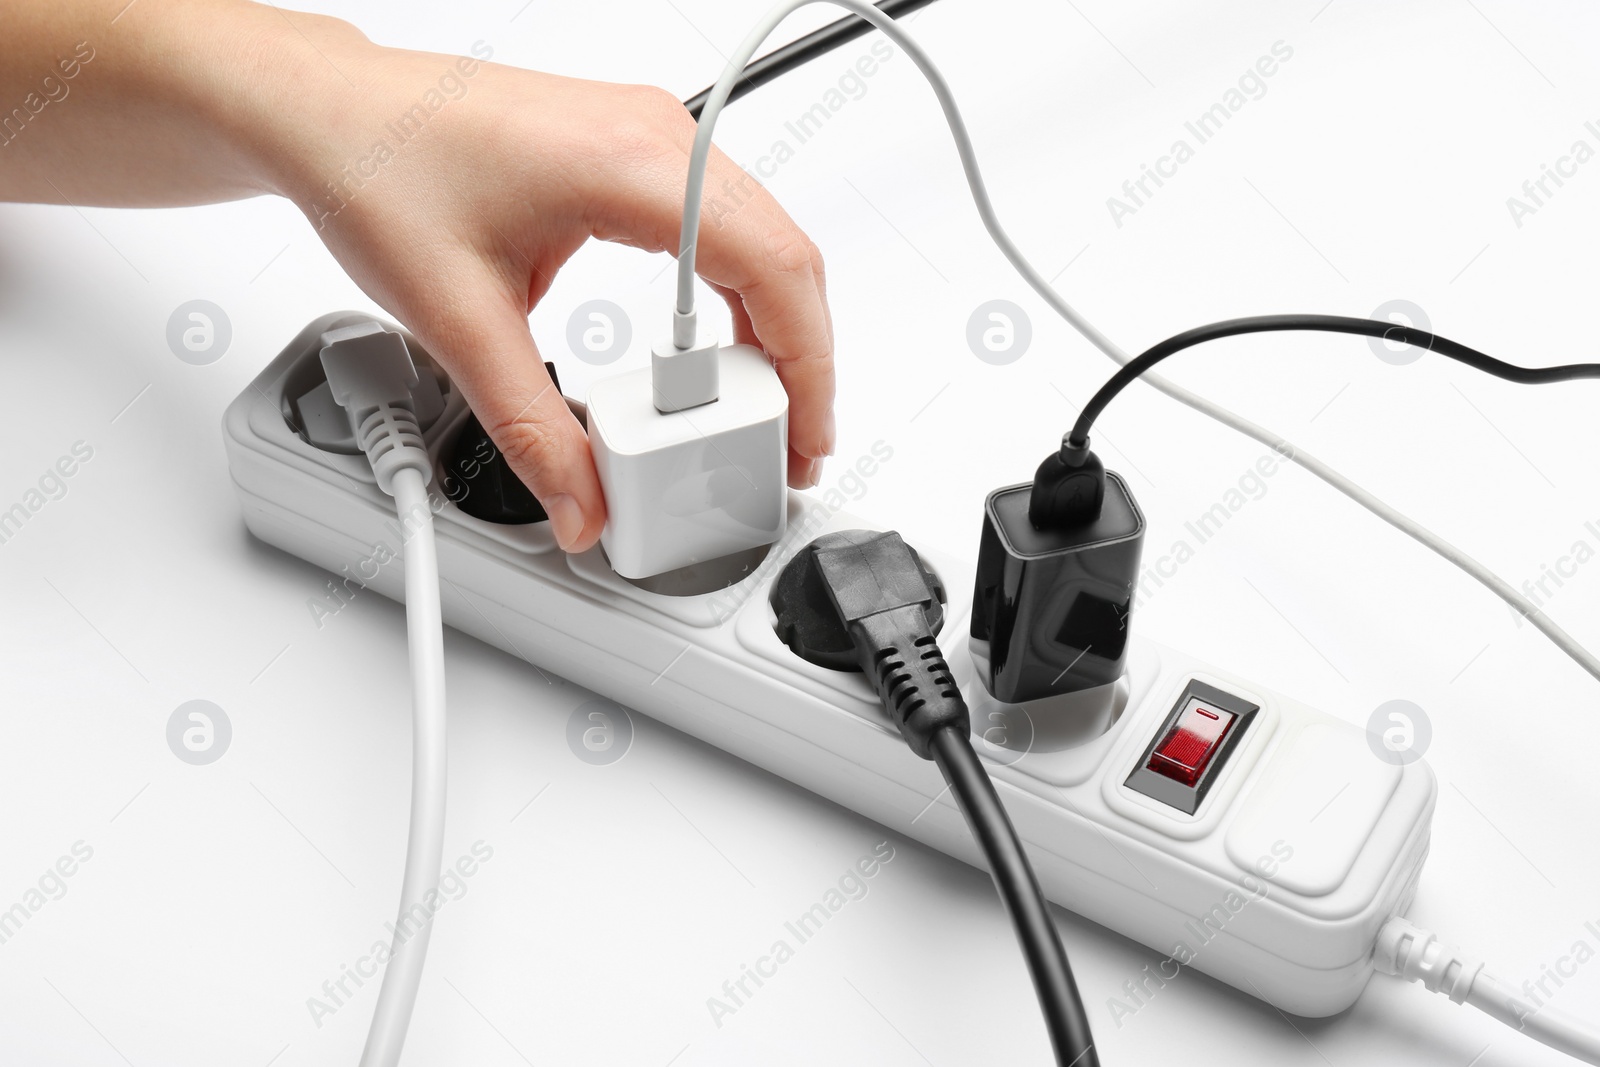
(1192, 746)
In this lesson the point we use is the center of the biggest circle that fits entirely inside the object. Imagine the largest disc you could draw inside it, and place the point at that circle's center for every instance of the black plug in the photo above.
(1069, 488)
(887, 601)
(807, 619)
(879, 594)
(480, 481)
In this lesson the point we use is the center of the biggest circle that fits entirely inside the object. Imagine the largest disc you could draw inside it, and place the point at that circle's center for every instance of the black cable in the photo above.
(1389, 331)
(781, 61)
(880, 598)
(1019, 890)
(899, 651)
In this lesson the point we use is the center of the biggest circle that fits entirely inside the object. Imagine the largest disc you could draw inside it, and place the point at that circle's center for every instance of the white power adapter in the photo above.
(691, 455)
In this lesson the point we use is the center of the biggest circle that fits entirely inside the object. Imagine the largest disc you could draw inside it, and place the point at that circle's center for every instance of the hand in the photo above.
(459, 229)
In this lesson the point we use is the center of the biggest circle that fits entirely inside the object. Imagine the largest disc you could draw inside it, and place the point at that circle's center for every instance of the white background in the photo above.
(1376, 167)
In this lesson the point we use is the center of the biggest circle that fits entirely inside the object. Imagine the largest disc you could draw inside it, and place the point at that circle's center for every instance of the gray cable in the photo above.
(684, 313)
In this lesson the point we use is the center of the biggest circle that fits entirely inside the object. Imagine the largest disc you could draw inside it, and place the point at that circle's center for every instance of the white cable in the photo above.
(1417, 955)
(1545, 1025)
(684, 313)
(425, 840)
(371, 375)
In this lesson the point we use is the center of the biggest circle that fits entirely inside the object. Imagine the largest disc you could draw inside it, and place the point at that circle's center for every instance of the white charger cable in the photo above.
(685, 330)
(1410, 952)
(371, 376)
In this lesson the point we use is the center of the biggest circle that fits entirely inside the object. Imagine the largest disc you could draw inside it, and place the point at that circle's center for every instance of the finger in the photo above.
(771, 277)
(744, 331)
(485, 345)
(804, 472)
(756, 251)
(747, 244)
(790, 322)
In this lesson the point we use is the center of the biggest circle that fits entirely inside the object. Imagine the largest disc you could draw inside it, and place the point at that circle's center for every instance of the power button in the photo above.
(1192, 746)
(1185, 751)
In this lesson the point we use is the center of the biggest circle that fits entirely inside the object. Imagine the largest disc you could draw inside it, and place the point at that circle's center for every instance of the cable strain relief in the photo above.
(907, 668)
(1417, 955)
(1069, 489)
(392, 441)
(685, 376)
(685, 328)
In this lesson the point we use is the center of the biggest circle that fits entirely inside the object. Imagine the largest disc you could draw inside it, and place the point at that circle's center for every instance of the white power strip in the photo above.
(1303, 844)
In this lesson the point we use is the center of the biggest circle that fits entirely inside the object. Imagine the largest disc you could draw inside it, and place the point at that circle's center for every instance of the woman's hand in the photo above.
(459, 229)
(451, 189)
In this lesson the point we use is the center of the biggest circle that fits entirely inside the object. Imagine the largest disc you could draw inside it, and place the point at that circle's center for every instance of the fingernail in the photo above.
(830, 435)
(566, 519)
(814, 476)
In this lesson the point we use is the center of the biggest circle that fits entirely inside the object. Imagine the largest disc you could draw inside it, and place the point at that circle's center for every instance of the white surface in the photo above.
(1377, 166)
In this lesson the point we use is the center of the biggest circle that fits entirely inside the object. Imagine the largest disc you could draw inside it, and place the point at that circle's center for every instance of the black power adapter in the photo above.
(1058, 565)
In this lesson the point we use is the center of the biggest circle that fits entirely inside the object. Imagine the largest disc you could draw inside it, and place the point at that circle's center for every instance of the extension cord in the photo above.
(1305, 844)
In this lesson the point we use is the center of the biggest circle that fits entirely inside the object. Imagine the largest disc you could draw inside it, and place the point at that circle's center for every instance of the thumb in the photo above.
(492, 357)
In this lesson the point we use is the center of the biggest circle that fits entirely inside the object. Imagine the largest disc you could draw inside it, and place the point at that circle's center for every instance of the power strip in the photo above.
(1301, 844)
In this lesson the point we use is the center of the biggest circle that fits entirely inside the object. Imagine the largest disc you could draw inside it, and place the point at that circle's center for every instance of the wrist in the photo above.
(271, 89)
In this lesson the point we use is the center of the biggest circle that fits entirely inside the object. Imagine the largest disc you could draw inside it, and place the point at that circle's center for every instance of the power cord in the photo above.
(799, 52)
(1076, 461)
(1417, 955)
(683, 320)
(1389, 331)
(372, 376)
(882, 596)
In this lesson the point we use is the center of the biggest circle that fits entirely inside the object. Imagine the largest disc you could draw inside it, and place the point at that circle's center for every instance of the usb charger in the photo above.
(691, 455)
(1058, 565)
